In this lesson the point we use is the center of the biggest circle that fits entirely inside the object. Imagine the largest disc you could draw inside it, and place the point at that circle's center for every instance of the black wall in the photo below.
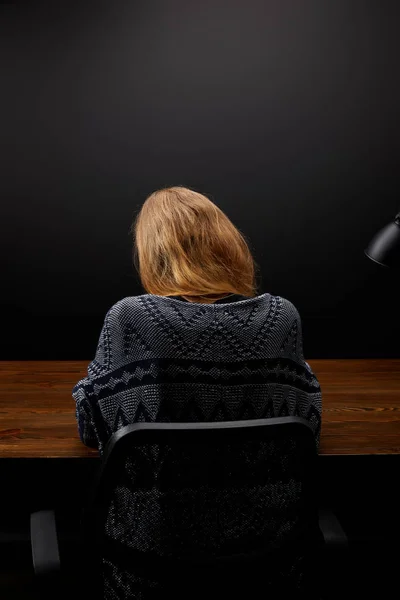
(284, 113)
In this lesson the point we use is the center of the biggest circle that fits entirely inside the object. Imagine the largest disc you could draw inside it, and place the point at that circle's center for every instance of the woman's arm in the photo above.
(88, 414)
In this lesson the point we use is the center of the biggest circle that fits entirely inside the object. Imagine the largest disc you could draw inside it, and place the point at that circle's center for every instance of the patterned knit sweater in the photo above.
(162, 358)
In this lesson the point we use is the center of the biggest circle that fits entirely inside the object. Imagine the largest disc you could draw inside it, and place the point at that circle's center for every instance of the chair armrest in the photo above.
(331, 529)
(44, 542)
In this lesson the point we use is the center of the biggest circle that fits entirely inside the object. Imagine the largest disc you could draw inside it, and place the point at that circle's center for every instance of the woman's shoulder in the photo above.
(144, 303)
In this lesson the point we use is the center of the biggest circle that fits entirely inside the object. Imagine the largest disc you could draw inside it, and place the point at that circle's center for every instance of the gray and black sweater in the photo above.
(164, 359)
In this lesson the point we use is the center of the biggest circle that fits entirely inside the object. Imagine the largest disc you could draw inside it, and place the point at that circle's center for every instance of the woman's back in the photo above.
(168, 360)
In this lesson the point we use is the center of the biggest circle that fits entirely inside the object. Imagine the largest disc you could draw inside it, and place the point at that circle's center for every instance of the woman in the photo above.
(201, 344)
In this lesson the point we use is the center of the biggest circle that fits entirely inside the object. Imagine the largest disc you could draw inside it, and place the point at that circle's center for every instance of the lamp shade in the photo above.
(384, 248)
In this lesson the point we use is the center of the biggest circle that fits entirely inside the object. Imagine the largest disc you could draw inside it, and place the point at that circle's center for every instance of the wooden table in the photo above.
(361, 408)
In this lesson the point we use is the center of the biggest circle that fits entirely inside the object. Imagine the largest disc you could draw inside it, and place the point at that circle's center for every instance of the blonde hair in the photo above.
(185, 245)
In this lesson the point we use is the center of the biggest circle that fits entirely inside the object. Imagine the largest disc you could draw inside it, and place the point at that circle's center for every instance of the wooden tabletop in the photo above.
(360, 398)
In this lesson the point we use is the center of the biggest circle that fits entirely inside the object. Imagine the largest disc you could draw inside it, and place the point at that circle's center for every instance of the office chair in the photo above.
(200, 508)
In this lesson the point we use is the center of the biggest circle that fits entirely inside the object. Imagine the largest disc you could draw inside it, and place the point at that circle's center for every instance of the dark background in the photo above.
(284, 113)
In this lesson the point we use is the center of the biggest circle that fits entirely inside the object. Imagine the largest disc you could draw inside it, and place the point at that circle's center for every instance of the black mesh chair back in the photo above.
(205, 508)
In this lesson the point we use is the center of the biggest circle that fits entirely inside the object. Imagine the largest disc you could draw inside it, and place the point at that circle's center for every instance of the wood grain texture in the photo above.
(361, 407)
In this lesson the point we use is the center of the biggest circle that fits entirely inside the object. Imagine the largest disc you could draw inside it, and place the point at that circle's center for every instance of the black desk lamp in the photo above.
(384, 248)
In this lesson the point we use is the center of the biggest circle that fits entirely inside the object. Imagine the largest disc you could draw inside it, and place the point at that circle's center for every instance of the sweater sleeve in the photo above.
(88, 414)
(312, 409)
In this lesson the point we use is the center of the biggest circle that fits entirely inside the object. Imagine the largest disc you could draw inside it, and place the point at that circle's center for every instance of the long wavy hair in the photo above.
(184, 245)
